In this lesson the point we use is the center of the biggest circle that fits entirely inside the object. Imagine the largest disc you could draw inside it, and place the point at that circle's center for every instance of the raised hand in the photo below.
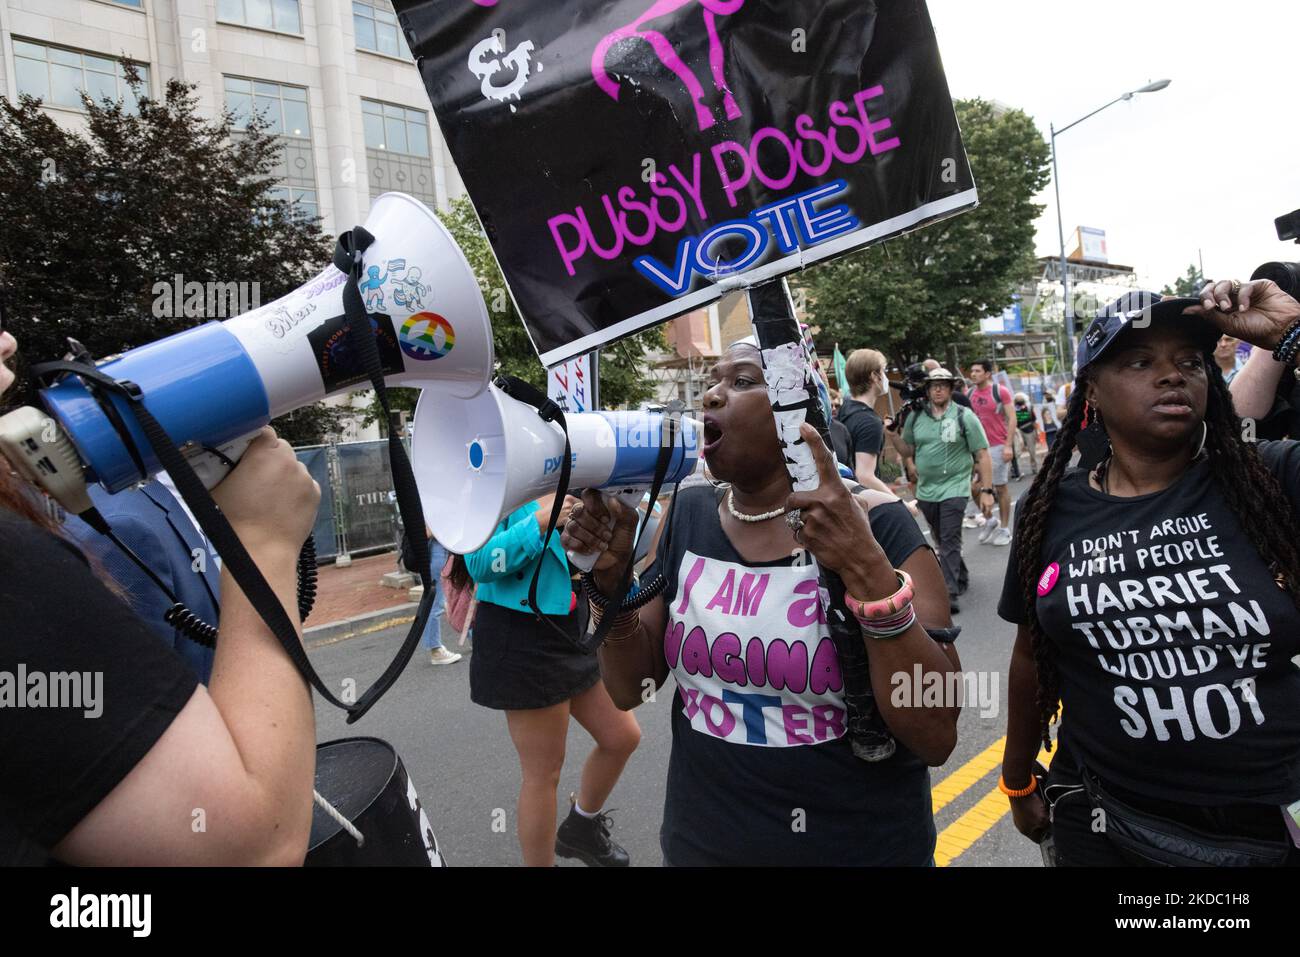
(588, 530)
(1257, 312)
(835, 526)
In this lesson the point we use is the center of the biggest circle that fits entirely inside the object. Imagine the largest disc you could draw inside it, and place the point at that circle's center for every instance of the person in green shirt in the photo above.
(943, 438)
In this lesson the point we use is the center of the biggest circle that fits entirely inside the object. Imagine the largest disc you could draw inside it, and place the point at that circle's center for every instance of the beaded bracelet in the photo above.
(1289, 344)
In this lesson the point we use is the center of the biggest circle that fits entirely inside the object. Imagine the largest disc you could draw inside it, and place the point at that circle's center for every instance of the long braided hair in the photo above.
(1237, 470)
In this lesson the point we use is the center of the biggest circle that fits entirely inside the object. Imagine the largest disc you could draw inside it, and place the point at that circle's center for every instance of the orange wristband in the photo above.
(1019, 792)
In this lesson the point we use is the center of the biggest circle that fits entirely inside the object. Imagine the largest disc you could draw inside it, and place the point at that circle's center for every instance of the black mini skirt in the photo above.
(520, 662)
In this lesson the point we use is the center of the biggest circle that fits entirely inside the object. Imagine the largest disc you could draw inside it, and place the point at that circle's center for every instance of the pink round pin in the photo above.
(1047, 581)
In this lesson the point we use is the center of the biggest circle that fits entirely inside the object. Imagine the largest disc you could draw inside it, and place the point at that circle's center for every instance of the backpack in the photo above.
(458, 603)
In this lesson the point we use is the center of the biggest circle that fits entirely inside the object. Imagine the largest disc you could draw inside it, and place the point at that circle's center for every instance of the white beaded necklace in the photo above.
(741, 516)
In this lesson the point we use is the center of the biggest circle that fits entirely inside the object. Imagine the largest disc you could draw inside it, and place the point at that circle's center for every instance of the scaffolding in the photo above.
(1041, 346)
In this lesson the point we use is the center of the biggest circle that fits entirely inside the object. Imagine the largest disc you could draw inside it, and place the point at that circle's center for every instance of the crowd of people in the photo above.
(1153, 579)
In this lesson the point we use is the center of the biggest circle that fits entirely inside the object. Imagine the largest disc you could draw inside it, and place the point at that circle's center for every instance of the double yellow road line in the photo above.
(958, 836)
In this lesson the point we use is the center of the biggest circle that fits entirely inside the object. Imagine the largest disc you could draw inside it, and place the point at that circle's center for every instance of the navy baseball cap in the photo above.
(1139, 309)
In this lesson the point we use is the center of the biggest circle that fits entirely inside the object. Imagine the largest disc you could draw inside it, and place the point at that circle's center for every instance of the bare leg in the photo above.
(1004, 504)
(616, 734)
(538, 735)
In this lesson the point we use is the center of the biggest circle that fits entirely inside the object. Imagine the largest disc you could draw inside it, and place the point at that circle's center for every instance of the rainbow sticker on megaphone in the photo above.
(425, 336)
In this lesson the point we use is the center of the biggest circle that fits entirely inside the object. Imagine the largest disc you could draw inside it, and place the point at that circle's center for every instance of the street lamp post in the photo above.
(1060, 223)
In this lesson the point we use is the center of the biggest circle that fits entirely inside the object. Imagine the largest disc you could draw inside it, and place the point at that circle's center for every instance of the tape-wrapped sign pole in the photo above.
(793, 392)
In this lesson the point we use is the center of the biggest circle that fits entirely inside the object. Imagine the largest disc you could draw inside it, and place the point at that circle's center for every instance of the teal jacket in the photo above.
(503, 567)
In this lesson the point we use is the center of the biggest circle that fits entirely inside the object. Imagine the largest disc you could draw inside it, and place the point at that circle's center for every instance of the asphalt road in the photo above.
(465, 770)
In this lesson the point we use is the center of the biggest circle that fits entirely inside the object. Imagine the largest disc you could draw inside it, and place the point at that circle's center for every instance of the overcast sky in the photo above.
(1207, 163)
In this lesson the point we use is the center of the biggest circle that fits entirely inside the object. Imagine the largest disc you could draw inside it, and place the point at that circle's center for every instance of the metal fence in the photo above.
(358, 506)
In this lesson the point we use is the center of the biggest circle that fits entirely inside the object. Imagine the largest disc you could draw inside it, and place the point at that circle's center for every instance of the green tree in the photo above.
(915, 295)
(98, 226)
(1186, 285)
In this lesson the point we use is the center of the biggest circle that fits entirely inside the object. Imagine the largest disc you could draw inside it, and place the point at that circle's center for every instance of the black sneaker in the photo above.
(952, 606)
(588, 840)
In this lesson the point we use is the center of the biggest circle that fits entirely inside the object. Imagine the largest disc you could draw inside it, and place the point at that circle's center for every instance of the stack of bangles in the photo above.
(886, 617)
(625, 625)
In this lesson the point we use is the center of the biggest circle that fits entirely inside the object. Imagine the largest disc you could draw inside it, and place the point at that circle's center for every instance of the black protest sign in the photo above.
(632, 160)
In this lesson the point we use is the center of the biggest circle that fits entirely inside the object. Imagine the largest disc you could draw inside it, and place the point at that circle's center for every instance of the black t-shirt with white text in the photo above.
(1173, 641)
(760, 770)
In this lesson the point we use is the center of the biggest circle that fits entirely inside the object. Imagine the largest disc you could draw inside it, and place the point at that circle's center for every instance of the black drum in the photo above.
(364, 779)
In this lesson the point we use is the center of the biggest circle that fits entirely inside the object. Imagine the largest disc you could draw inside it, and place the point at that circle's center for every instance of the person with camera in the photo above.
(156, 769)
(1156, 596)
(760, 771)
(943, 439)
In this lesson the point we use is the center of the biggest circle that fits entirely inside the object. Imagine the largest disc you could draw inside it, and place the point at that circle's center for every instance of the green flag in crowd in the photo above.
(840, 374)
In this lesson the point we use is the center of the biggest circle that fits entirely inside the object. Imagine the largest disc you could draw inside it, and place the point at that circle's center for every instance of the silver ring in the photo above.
(795, 521)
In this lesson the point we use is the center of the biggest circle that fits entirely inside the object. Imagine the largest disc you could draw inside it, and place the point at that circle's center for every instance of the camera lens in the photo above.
(1286, 275)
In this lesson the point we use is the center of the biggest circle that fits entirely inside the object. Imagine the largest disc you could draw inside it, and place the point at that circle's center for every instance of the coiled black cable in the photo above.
(644, 595)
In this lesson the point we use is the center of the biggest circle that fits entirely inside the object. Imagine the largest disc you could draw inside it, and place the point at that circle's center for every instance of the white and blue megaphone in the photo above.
(494, 453)
(213, 387)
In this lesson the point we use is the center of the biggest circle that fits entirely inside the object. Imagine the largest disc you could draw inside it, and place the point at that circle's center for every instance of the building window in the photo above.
(137, 4)
(285, 110)
(397, 151)
(280, 15)
(285, 107)
(396, 129)
(57, 76)
(376, 28)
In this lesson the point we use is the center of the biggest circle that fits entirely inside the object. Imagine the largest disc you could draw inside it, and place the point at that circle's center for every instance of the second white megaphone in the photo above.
(477, 461)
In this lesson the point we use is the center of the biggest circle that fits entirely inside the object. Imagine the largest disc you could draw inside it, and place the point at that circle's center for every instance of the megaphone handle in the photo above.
(631, 497)
(211, 465)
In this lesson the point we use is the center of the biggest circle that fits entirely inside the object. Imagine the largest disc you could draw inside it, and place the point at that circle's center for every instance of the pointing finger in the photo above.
(826, 469)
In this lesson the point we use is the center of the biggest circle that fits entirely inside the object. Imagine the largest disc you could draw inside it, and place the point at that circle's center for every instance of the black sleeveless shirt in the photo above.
(760, 771)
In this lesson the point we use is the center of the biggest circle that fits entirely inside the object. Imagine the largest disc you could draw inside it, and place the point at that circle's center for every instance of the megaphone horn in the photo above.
(477, 461)
(222, 381)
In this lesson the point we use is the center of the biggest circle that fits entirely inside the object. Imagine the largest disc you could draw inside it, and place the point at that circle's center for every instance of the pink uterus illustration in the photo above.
(663, 48)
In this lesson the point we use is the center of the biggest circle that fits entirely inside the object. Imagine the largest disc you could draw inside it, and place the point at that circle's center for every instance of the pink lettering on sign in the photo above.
(637, 214)
(1051, 575)
(641, 29)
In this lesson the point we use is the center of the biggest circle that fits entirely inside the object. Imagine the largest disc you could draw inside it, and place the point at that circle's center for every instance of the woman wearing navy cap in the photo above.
(1156, 601)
